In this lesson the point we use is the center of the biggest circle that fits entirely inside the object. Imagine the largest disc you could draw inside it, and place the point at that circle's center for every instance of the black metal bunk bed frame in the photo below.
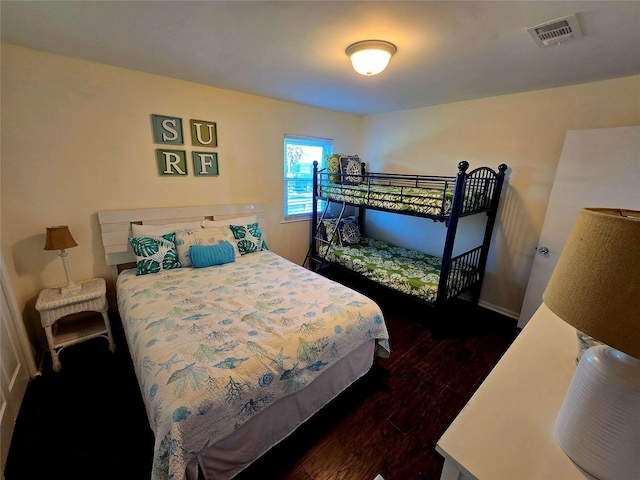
(474, 192)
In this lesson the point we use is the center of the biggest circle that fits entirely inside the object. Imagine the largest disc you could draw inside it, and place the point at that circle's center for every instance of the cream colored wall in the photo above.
(76, 139)
(526, 131)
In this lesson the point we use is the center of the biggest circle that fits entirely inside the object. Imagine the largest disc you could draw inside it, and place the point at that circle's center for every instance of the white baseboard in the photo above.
(492, 307)
(500, 310)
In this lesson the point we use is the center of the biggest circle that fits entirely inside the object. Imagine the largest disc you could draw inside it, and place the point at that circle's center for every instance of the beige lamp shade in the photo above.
(59, 238)
(596, 284)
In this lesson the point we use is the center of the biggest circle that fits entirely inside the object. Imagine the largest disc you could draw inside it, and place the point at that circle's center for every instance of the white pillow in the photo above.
(230, 221)
(159, 230)
(202, 236)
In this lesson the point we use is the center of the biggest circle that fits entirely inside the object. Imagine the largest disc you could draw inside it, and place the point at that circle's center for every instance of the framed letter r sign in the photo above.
(171, 162)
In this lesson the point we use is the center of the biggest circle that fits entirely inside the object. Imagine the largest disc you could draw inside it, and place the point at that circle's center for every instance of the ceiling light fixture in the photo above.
(370, 57)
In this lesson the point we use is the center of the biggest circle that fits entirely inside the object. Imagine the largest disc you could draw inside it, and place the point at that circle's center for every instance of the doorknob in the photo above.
(543, 250)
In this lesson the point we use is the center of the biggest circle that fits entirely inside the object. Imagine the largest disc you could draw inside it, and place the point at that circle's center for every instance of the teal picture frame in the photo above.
(205, 164)
(171, 162)
(204, 133)
(167, 130)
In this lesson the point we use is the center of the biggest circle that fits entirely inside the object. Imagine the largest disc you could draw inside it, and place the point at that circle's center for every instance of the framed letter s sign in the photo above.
(167, 130)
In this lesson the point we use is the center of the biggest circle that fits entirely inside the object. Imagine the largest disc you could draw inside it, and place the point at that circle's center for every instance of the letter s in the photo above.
(169, 125)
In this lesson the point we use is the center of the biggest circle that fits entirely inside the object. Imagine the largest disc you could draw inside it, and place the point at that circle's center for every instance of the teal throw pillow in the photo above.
(249, 238)
(154, 254)
(203, 237)
(209, 255)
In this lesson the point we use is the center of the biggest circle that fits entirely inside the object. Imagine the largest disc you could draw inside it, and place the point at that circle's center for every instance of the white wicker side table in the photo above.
(53, 306)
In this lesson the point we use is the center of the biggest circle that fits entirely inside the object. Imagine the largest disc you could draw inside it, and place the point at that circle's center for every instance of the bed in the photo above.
(446, 199)
(401, 269)
(231, 358)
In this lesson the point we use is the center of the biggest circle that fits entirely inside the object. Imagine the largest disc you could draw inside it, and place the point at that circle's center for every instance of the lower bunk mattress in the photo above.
(407, 271)
(231, 358)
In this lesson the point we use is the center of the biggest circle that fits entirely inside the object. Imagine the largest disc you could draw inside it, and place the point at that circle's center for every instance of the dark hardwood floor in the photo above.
(88, 421)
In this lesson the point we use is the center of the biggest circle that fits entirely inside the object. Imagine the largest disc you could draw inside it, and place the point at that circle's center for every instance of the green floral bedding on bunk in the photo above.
(421, 200)
(407, 271)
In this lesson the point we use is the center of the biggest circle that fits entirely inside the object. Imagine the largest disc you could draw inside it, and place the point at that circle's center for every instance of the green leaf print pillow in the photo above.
(333, 167)
(249, 238)
(154, 254)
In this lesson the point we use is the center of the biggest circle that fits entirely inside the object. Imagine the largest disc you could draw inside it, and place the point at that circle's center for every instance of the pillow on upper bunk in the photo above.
(203, 236)
(209, 255)
(333, 167)
(249, 238)
(154, 254)
(157, 230)
(351, 170)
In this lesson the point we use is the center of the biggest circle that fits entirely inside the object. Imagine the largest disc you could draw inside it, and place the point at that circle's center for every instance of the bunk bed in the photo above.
(341, 240)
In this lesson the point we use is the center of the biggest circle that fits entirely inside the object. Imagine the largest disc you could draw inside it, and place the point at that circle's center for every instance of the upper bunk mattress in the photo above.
(426, 201)
(212, 347)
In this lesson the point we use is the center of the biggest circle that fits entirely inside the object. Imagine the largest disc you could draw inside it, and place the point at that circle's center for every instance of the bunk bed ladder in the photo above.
(488, 232)
(318, 259)
(452, 226)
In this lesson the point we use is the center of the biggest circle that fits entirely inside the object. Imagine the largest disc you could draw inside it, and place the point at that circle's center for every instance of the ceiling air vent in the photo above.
(556, 31)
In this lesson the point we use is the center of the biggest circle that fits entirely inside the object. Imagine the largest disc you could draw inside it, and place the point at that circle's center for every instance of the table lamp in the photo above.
(59, 238)
(595, 287)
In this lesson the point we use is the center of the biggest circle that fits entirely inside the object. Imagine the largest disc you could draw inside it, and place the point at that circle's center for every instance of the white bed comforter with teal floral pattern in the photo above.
(214, 346)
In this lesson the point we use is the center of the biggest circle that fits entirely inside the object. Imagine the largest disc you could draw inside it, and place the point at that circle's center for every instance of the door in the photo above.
(15, 367)
(597, 168)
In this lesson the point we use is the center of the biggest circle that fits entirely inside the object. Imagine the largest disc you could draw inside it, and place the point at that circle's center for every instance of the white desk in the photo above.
(506, 431)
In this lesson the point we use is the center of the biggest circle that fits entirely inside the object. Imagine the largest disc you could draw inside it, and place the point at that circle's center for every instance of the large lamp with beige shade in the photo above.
(595, 287)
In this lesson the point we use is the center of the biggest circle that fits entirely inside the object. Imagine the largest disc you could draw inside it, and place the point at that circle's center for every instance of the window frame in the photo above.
(302, 184)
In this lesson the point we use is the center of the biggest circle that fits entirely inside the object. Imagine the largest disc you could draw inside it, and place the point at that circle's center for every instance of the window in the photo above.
(299, 155)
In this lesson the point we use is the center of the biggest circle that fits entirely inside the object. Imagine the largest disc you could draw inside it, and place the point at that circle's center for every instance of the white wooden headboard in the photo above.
(115, 225)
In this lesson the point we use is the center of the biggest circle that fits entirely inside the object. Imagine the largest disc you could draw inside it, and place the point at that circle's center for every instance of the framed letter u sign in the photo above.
(203, 133)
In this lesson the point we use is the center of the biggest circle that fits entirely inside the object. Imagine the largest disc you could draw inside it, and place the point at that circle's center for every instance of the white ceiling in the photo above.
(448, 51)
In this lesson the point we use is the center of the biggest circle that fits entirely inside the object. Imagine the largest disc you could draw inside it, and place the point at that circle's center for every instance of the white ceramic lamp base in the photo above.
(71, 287)
(598, 425)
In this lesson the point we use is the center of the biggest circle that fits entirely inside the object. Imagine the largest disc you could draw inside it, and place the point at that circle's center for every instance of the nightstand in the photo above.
(53, 306)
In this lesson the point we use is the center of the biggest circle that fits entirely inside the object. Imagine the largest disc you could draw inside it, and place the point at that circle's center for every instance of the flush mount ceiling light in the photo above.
(370, 57)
